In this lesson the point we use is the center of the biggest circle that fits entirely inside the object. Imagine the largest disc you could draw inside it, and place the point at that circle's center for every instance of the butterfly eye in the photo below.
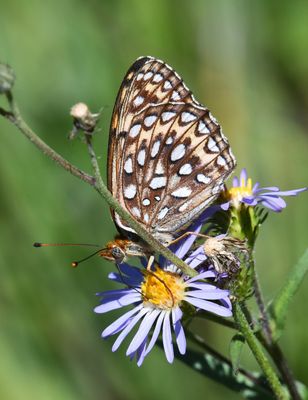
(118, 254)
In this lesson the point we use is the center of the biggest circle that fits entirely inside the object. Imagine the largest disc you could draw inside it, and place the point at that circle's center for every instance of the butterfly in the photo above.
(167, 157)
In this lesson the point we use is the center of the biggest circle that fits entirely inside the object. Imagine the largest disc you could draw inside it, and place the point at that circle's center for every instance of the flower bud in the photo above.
(7, 78)
(84, 120)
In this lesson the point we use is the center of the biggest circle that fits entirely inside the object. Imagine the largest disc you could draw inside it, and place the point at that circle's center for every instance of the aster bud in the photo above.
(7, 78)
(83, 119)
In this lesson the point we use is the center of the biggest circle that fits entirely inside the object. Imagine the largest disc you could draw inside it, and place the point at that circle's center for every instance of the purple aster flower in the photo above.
(242, 191)
(157, 298)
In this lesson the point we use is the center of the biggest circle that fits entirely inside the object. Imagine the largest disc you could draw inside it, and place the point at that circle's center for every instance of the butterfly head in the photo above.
(118, 249)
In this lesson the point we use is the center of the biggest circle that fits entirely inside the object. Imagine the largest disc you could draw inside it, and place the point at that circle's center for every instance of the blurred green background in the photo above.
(248, 62)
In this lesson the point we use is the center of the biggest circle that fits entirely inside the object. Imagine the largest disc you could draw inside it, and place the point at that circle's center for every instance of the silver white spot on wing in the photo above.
(202, 128)
(141, 157)
(162, 213)
(175, 96)
(185, 169)
(135, 130)
(146, 217)
(146, 202)
(221, 161)
(149, 121)
(155, 149)
(158, 78)
(130, 192)
(168, 115)
(169, 140)
(128, 165)
(201, 178)
(158, 182)
(178, 152)
(138, 101)
(148, 75)
(167, 85)
(182, 192)
(139, 77)
(188, 117)
(212, 145)
(157, 198)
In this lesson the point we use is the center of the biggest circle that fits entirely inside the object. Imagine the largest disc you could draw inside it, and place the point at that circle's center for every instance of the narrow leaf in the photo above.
(249, 385)
(235, 350)
(279, 305)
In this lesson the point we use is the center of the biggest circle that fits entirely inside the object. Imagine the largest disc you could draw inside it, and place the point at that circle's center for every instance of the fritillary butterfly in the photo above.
(167, 158)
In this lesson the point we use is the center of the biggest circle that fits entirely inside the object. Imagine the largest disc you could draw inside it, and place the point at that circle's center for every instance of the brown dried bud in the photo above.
(7, 78)
(83, 119)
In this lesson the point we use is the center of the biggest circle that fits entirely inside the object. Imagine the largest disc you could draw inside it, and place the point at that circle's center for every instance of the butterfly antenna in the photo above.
(75, 264)
(38, 244)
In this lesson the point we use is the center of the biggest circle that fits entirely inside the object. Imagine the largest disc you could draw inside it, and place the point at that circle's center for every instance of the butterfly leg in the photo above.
(150, 262)
(188, 234)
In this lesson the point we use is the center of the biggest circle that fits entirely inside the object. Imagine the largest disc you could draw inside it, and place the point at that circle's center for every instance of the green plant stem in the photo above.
(146, 236)
(257, 351)
(268, 342)
(261, 305)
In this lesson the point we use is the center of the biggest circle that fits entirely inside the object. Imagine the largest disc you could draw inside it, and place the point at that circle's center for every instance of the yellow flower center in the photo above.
(162, 289)
(235, 194)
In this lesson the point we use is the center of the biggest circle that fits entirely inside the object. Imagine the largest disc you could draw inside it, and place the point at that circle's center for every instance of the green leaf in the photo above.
(249, 385)
(279, 306)
(235, 350)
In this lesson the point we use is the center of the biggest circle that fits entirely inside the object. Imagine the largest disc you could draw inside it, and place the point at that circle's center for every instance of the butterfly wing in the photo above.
(168, 158)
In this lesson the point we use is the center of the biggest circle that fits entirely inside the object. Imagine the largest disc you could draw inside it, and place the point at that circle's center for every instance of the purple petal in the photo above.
(225, 206)
(178, 330)
(128, 328)
(250, 200)
(156, 332)
(143, 331)
(211, 307)
(141, 353)
(167, 338)
(130, 298)
(275, 204)
(255, 187)
(243, 177)
(111, 329)
(207, 294)
(204, 275)
(293, 192)
(196, 257)
(271, 188)
(202, 286)
(115, 293)
(235, 182)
